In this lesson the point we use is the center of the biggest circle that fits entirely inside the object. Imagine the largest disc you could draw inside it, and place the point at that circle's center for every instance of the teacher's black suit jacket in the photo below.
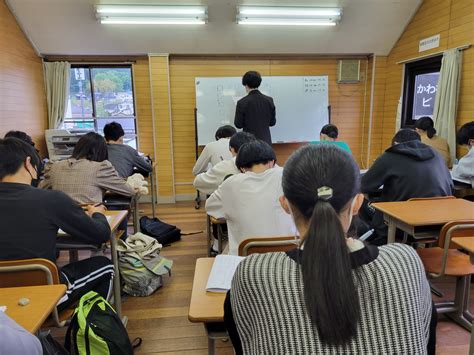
(255, 113)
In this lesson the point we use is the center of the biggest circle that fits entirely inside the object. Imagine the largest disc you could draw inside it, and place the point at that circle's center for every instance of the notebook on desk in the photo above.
(62, 233)
(222, 272)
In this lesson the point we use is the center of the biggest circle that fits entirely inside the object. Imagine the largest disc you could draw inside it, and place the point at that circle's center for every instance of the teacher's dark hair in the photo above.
(330, 293)
(225, 132)
(14, 152)
(426, 124)
(92, 147)
(254, 153)
(252, 79)
(465, 133)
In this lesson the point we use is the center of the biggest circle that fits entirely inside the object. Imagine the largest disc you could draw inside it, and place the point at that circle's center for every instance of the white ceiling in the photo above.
(69, 27)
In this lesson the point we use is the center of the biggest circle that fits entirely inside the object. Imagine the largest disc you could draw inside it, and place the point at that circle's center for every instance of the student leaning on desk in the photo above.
(463, 171)
(31, 217)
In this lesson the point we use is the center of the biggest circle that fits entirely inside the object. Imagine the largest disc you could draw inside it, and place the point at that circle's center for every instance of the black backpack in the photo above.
(164, 233)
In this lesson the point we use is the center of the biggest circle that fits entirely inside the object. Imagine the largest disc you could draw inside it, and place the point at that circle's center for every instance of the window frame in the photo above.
(423, 66)
(94, 117)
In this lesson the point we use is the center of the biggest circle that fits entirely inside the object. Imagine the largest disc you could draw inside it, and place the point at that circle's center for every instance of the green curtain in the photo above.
(446, 101)
(56, 77)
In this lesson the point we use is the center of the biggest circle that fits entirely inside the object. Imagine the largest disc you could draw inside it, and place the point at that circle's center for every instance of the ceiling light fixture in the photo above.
(288, 16)
(151, 15)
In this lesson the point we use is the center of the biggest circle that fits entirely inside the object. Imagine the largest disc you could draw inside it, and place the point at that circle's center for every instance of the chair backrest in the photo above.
(432, 198)
(266, 245)
(456, 229)
(28, 272)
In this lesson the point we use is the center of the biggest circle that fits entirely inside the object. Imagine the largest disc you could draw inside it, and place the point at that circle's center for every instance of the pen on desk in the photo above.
(366, 235)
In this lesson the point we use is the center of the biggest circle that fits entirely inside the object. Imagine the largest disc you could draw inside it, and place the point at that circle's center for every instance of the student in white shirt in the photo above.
(217, 151)
(249, 202)
(464, 170)
(209, 181)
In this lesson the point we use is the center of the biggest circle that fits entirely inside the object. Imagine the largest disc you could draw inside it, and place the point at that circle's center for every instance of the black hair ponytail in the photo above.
(320, 182)
(330, 293)
(426, 124)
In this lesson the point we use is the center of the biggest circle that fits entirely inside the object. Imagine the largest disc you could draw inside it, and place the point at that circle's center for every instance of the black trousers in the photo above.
(93, 274)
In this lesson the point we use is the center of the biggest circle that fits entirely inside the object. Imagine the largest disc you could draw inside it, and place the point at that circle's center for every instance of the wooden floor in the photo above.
(161, 319)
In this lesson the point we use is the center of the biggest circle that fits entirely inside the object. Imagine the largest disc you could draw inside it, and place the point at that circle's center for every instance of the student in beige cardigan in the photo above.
(425, 128)
(87, 175)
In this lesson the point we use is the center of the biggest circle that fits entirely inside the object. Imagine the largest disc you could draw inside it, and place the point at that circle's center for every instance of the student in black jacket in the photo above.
(408, 169)
(31, 217)
(255, 113)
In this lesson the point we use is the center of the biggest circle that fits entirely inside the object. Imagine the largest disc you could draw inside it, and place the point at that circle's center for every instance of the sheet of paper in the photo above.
(61, 232)
(222, 272)
(3, 308)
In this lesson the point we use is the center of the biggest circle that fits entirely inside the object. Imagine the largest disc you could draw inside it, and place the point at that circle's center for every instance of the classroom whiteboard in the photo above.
(301, 106)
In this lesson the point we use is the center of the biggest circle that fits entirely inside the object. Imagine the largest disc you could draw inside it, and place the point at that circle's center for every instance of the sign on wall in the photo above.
(426, 86)
(429, 43)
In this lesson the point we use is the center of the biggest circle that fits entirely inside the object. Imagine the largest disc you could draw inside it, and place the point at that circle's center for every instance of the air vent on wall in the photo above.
(349, 71)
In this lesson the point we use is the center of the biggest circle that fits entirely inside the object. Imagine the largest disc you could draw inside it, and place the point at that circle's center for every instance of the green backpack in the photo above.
(96, 329)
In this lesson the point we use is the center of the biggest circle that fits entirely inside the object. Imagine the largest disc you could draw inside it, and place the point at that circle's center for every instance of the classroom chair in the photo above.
(33, 272)
(445, 260)
(218, 224)
(266, 245)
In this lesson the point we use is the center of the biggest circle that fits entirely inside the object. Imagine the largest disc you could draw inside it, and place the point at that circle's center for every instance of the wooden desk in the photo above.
(207, 307)
(115, 218)
(467, 244)
(43, 299)
(406, 215)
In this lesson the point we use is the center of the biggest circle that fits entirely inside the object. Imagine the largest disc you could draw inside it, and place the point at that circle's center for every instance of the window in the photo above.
(419, 91)
(99, 95)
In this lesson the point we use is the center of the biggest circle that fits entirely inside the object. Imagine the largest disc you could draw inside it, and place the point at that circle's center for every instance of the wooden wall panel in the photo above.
(347, 101)
(22, 94)
(161, 114)
(454, 21)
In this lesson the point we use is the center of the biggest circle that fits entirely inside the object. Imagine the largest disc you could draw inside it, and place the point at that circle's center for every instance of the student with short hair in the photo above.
(424, 126)
(87, 175)
(464, 170)
(31, 217)
(209, 181)
(408, 169)
(215, 152)
(328, 135)
(249, 201)
(333, 294)
(255, 113)
(123, 157)
(20, 135)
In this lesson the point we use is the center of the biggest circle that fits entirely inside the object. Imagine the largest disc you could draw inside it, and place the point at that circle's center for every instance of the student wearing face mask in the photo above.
(31, 217)
(333, 294)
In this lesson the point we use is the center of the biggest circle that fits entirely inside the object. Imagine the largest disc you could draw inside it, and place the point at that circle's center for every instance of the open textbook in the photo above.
(222, 272)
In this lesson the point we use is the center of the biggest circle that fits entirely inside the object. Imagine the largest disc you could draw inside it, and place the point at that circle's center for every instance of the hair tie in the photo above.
(324, 193)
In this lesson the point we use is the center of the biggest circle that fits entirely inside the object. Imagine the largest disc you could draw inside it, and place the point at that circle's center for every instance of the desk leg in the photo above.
(153, 194)
(209, 235)
(391, 230)
(220, 238)
(211, 344)
(117, 297)
(136, 214)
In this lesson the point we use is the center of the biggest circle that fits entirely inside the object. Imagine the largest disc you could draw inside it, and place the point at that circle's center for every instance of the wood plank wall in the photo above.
(22, 94)
(347, 101)
(454, 21)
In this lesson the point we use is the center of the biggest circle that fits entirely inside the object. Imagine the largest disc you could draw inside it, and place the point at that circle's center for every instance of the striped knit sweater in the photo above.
(269, 308)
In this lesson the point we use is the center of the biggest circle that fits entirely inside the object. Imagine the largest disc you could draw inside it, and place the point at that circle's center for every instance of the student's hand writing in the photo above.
(91, 209)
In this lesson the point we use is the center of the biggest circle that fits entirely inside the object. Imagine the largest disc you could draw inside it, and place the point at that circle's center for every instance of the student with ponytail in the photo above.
(333, 294)
(425, 128)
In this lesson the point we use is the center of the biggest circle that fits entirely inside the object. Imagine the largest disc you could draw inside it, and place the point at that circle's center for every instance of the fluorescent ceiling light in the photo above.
(151, 14)
(151, 21)
(288, 16)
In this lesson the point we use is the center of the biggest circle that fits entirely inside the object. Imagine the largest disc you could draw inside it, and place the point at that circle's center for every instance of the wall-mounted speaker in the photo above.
(349, 71)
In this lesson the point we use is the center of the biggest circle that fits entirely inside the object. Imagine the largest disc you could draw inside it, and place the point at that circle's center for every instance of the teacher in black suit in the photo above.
(255, 113)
